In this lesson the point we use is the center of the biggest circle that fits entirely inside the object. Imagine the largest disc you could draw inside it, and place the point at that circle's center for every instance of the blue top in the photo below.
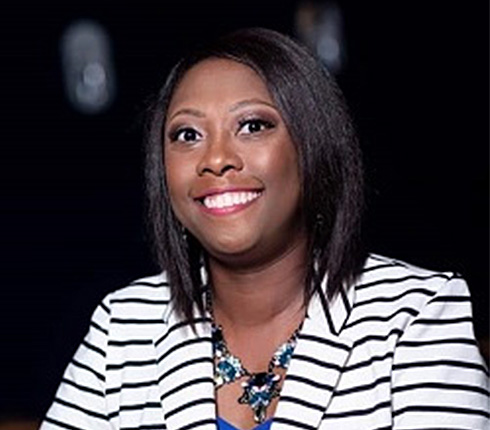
(224, 425)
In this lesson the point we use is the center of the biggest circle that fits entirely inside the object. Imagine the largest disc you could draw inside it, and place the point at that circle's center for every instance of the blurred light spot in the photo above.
(320, 26)
(88, 70)
(94, 75)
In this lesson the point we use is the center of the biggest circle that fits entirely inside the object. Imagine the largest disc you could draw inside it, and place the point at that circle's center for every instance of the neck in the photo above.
(258, 296)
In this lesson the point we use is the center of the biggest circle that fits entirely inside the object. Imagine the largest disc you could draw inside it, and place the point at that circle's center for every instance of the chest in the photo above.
(167, 382)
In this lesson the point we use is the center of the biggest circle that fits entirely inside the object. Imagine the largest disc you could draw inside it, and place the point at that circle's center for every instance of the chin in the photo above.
(230, 248)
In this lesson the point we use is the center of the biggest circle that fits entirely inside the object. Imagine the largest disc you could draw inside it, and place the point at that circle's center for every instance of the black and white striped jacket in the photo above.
(395, 351)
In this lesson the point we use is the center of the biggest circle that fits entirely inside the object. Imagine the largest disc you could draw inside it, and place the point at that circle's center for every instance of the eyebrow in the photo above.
(242, 103)
(188, 111)
(248, 102)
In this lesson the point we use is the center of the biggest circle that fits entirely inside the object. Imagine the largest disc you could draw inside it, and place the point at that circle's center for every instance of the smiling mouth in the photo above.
(229, 199)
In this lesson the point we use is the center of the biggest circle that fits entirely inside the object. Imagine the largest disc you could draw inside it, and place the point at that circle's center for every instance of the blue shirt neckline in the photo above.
(225, 425)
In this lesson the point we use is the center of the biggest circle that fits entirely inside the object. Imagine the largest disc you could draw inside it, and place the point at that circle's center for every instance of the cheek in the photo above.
(176, 177)
(286, 178)
(281, 166)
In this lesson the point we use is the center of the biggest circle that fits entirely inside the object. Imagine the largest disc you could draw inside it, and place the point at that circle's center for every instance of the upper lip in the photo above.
(200, 195)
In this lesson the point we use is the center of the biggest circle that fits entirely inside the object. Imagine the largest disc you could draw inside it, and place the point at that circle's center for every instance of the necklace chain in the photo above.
(260, 387)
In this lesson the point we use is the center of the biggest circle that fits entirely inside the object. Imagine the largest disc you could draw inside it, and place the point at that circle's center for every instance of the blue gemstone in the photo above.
(285, 356)
(259, 398)
(227, 370)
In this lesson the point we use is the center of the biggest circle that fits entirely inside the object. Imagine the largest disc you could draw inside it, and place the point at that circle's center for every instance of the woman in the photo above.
(267, 311)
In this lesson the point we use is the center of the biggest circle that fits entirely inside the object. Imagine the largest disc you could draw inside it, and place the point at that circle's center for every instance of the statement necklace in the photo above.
(260, 388)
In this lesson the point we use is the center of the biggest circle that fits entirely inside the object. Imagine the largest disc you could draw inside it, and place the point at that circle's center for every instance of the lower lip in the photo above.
(228, 210)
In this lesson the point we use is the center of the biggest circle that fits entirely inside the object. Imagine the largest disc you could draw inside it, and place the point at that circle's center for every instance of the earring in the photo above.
(203, 272)
(319, 220)
(183, 233)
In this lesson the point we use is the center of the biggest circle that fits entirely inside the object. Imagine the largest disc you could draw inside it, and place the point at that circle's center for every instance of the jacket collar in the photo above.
(185, 368)
(319, 357)
(333, 313)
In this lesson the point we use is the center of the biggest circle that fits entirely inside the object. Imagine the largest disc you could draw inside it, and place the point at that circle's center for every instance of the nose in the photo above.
(219, 157)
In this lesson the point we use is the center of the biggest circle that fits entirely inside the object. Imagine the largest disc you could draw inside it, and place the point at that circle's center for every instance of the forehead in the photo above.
(218, 81)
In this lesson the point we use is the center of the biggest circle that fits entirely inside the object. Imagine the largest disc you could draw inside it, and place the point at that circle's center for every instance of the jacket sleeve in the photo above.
(80, 402)
(439, 379)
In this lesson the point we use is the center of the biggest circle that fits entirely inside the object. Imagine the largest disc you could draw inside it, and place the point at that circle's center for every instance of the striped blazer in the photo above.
(394, 351)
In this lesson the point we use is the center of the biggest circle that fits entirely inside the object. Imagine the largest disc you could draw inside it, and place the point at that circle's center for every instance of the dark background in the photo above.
(71, 185)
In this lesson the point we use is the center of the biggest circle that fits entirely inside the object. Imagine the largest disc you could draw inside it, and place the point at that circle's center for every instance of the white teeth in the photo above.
(228, 199)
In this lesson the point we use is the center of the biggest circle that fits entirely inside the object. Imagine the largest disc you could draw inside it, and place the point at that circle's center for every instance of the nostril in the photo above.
(226, 168)
(219, 156)
(219, 167)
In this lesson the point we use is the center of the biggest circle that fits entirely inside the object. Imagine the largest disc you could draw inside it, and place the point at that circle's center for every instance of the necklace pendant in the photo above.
(259, 391)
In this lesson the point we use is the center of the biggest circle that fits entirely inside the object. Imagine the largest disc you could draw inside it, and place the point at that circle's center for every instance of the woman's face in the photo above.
(231, 167)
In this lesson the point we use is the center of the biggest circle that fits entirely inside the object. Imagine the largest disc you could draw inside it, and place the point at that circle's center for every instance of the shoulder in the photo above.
(142, 293)
(139, 306)
(382, 275)
(393, 293)
(115, 359)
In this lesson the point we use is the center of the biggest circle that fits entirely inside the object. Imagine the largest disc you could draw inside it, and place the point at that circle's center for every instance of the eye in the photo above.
(185, 134)
(255, 125)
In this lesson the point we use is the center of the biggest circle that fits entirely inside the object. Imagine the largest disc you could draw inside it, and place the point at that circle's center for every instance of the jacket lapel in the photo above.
(316, 365)
(185, 374)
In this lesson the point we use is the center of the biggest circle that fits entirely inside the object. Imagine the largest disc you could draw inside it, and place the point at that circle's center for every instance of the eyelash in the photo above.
(175, 135)
(262, 123)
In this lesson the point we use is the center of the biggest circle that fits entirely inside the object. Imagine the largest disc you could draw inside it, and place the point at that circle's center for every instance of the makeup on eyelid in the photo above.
(252, 121)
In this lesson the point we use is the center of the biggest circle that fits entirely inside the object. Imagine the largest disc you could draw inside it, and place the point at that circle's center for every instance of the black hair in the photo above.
(314, 111)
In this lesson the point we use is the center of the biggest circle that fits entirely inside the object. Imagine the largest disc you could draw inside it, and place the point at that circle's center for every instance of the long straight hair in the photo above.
(315, 113)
